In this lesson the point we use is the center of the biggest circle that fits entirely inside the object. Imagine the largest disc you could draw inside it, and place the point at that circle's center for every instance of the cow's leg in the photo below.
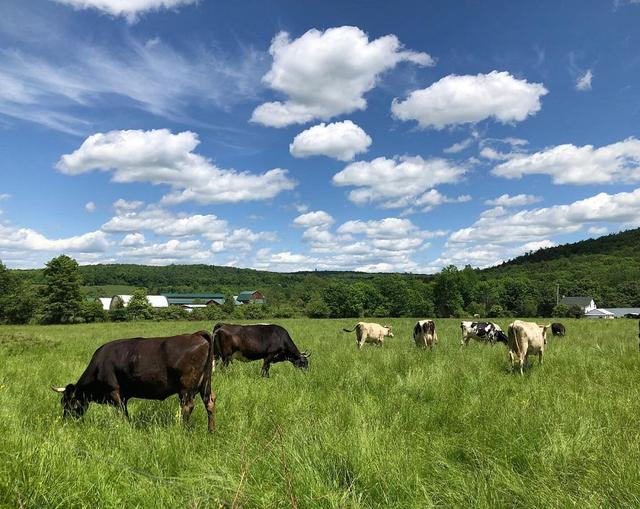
(267, 364)
(209, 400)
(117, 401)
(540, 354)
(186, 405)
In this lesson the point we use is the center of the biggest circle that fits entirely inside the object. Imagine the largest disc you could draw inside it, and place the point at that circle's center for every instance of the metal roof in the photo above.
(599, 312)
(203, 296)
(620, 312)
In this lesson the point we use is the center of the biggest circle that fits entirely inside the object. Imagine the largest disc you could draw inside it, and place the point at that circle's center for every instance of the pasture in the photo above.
(382, 427)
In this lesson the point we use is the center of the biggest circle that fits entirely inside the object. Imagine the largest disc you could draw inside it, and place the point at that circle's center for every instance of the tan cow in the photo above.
(526, 338)
(424, 334)
(370, 333)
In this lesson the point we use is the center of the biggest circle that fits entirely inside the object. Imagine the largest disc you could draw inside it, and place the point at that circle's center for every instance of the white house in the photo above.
(586, 303)
(156, 301)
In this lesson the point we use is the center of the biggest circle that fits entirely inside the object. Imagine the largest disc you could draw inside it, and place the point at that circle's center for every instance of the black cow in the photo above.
(246, 343)
(557, 329)
(146, 368)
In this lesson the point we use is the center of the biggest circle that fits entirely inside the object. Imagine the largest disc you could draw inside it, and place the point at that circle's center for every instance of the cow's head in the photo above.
(389, 330)
(501, 337)
(302, 361)
(72, 404)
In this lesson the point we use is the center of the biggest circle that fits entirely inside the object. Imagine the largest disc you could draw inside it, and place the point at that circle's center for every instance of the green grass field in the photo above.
(382, 427)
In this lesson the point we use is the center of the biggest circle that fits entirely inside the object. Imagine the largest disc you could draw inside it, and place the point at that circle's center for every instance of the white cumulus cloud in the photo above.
(161, 157)
(339, 140)
(537, 224)
(518, 200)
(318, 218)
(16, 239)
(568, 164)
(133, 239)
(90, 206)
(398, 182)
(326, 73)
(469, 99)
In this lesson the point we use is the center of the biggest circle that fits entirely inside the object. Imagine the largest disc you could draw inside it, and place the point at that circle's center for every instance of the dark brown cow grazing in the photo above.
(146, 368)
(557, 329)
(246, 343)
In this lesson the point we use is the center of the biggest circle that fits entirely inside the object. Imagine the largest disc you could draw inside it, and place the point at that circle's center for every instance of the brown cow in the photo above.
(146, 368)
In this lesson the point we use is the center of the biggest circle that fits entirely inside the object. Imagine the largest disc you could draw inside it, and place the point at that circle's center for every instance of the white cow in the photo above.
(370, 333)
(526, 338)
(424, 333)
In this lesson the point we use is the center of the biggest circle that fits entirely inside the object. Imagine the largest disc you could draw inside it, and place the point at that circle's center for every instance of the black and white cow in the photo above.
(424, 334)
(482, 331)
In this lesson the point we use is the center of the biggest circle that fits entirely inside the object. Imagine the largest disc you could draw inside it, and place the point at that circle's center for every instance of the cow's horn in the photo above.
(57, 389)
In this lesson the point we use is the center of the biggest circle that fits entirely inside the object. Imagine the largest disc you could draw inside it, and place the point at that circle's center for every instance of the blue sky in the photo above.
(293, 136)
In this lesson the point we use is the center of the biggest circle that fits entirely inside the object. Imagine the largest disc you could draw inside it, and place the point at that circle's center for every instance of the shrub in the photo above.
(92, 311)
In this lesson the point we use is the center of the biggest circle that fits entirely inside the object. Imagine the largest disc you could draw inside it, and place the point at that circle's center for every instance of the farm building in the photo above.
(599, 314)
(156, 301)
(250, 297)
(191, 299)
(586, 303)
(105, 302)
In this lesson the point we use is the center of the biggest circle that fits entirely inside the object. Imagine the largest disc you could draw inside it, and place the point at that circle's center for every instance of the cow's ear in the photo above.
(70, 389)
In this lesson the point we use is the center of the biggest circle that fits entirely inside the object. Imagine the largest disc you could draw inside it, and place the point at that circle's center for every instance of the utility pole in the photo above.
(557, 293)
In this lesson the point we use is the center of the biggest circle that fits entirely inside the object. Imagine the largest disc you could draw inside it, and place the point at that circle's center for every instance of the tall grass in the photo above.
(382, 427)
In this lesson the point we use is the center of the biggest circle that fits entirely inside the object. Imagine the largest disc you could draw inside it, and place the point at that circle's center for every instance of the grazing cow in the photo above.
(482, 331)
(247, 343)
(526, 338)
(557, 329)
(146, 368)
(424, 333)
(370, 333)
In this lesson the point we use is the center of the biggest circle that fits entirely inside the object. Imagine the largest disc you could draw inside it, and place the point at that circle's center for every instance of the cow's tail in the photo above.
(351, 330)
(210, 365)
(513, 340)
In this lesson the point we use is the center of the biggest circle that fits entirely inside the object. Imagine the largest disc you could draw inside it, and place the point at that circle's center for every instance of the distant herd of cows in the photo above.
(156, 368)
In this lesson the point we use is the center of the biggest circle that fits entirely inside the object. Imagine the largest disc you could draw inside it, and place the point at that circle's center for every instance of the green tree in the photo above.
(229, 305)
(92, 311)
(317, 308)
(560, 311)
(62, 297)
(18, 302)
(447, 293)
(139, 307)
(118, 313)
(496, 311)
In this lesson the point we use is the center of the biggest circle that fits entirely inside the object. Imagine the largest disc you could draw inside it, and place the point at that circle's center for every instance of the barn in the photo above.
(251, 297)
(195, 299)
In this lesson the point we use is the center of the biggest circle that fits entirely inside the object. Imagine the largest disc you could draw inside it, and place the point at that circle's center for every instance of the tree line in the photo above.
(524, 287)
